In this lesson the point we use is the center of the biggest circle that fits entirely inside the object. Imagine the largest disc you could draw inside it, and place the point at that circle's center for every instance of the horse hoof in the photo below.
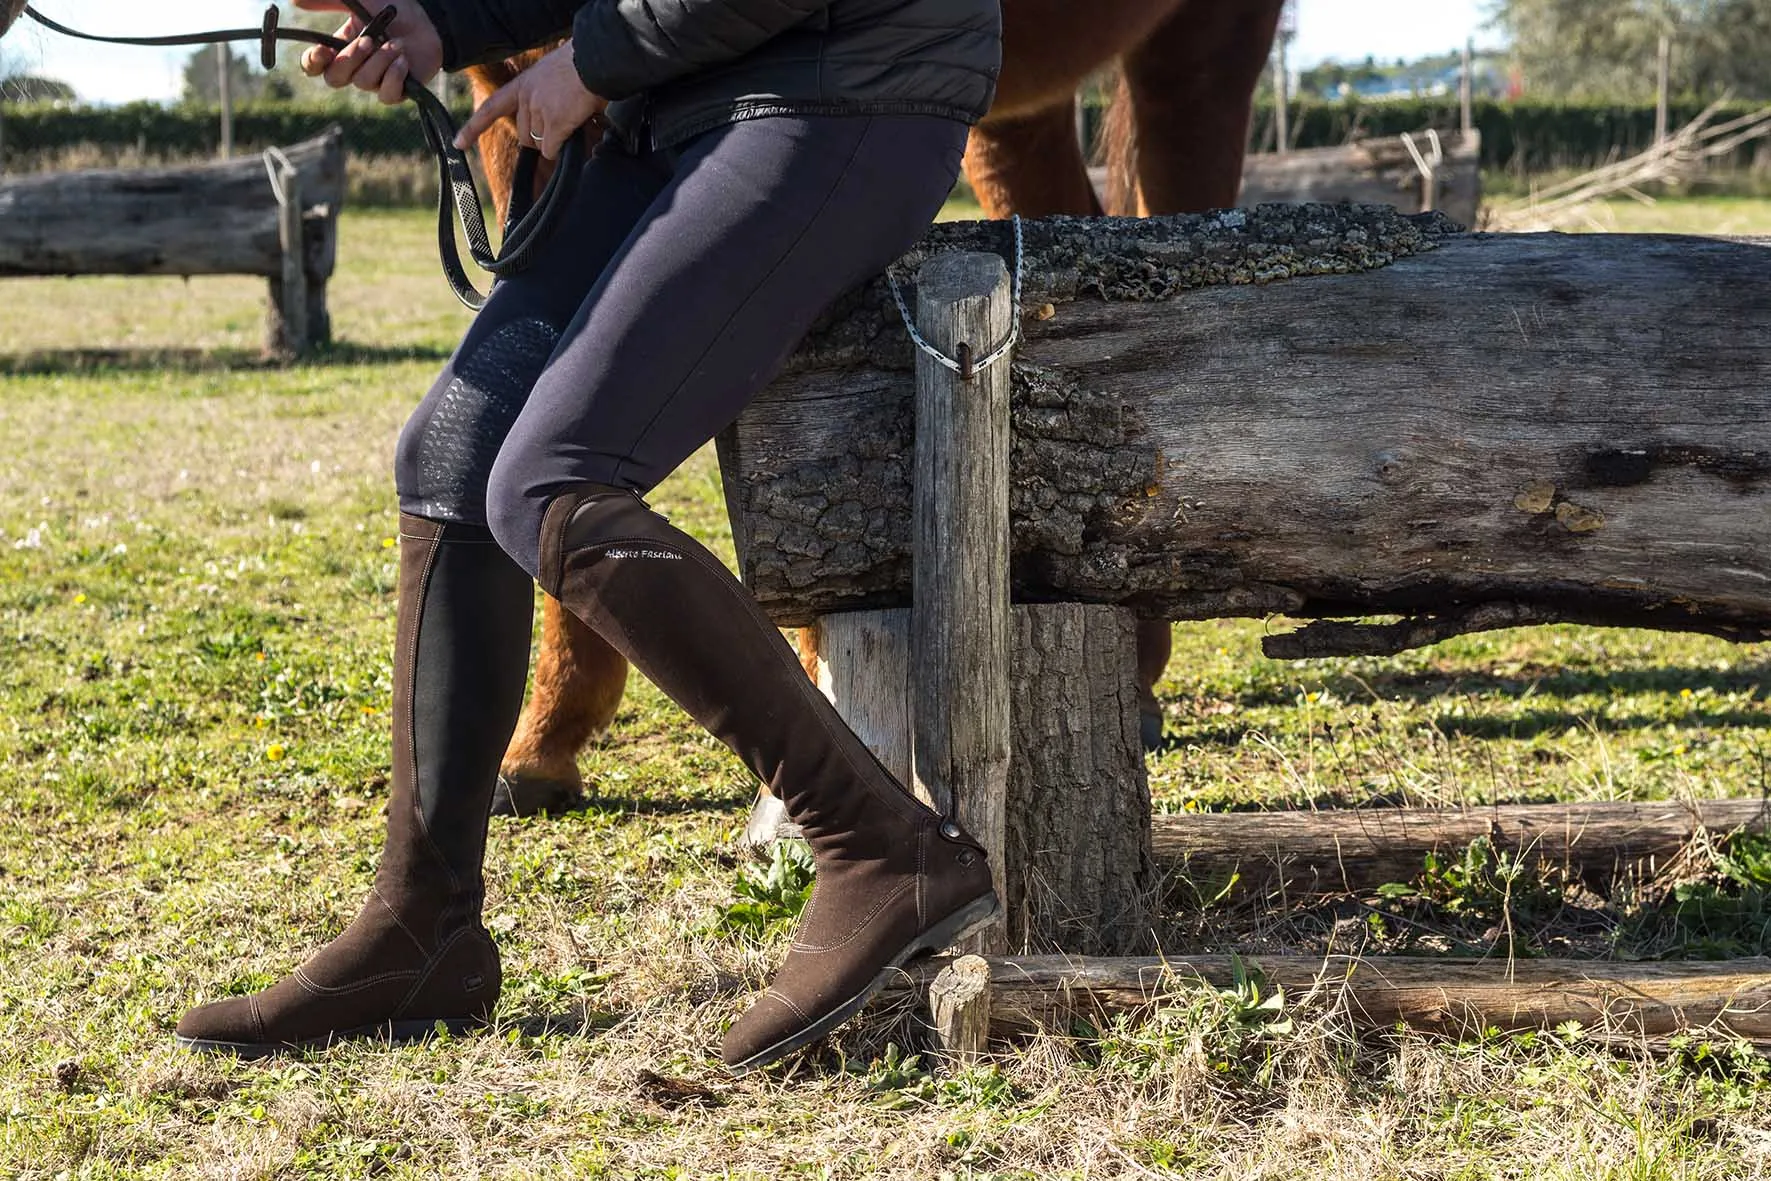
(1150, 731)
(768, 824)
(523, 795)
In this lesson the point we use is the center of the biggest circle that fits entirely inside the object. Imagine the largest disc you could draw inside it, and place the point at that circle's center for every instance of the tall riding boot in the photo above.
(417, 955)
(894, 880)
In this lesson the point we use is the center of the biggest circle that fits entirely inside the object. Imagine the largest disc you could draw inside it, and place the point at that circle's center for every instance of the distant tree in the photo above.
(1608, 48)
(202, 81)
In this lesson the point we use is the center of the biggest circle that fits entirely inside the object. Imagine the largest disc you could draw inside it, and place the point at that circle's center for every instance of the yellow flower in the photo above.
(387, 543)
(79, 598)
(1686, 693)
(275, 751)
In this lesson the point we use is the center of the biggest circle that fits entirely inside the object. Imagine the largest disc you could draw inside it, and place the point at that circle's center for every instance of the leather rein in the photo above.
(531, 219)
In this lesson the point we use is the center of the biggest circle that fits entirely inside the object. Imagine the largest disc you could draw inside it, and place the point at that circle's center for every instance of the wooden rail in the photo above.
(1442, 996)
(231, 218)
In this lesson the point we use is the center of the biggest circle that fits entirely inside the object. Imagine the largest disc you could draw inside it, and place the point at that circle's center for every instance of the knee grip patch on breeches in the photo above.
(445, 461)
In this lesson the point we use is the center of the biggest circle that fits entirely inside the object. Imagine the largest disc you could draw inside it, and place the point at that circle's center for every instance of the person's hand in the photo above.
(413, 49)
(548, 101)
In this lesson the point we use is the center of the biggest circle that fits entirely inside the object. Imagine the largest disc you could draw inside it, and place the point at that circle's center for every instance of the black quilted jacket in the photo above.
(680, 67)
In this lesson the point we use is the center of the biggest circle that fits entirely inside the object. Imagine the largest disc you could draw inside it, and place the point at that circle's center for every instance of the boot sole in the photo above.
(392, 1033)
(945, 933)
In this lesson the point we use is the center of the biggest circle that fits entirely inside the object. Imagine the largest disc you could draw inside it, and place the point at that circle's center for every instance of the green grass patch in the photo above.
(196, 612)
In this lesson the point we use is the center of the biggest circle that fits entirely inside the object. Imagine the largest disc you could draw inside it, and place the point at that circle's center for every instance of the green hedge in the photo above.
(1522, 137)
(196, 131)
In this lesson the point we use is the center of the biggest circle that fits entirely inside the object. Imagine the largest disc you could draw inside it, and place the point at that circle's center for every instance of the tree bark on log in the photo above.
(1317, 411)
(1443, 996)
(1080, 873)
(1304, 853)
(207, 219)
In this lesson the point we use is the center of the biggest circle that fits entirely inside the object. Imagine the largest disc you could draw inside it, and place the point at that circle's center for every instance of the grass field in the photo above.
(196, 573)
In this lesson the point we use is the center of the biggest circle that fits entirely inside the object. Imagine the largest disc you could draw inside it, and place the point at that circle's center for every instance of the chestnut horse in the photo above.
(1176, 134)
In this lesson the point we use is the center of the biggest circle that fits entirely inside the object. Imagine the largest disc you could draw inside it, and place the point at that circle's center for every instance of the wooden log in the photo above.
(1317, 411)
(1304, 853)
(1079, 872)
(959, 630)
(209, 219)
(959, 1003)
(1455, 997)
(287, 331)
(1374, 172)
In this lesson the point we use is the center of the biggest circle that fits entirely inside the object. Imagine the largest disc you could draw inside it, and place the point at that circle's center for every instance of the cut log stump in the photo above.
(1458, 998)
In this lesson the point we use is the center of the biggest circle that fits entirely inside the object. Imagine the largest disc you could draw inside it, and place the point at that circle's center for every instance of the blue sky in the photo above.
(1345, 29)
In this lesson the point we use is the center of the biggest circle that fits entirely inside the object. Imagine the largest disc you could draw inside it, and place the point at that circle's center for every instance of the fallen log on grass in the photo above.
(1417, 173)
(1316, 411)
(1356, 850)
(1459, 998)
(1306, 853)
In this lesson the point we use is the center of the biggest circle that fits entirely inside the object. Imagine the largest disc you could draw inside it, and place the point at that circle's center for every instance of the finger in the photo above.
(556, 143)
(503, 102)
(350, 59)
(393, 85)
(375, 67)
(315, 61)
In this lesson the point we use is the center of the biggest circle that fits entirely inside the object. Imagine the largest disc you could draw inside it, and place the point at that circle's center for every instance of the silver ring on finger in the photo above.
(537, 138)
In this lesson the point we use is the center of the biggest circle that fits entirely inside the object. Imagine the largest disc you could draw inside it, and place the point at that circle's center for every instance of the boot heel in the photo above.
(971, 917)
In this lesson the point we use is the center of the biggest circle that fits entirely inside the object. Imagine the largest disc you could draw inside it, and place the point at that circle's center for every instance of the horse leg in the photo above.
(1191, 84)
(579, 680)
(768, 816)
(1030, 164)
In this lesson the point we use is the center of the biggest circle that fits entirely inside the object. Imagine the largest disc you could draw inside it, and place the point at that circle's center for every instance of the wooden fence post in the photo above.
(288, 333)
(959, 642)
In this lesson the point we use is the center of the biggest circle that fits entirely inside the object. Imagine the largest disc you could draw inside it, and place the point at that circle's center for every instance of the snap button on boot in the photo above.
(950, 830)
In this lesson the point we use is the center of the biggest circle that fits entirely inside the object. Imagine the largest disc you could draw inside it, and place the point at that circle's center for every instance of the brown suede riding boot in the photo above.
(894, 880)
(417, 956)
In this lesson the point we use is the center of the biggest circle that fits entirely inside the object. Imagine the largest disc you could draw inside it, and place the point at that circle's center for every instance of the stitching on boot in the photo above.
(313, 986)
(788, 1001)
(257, 1016)
(375, 893)
(429, 970)
(863, 924)
(922, 892)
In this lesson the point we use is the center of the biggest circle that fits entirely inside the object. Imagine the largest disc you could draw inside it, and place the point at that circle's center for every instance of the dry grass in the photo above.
(195, 610)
